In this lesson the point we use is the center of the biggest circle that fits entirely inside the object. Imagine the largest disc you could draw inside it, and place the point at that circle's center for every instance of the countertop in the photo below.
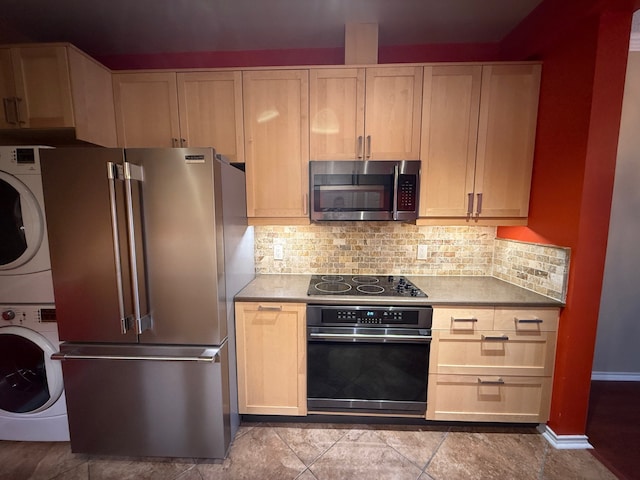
(442, 291)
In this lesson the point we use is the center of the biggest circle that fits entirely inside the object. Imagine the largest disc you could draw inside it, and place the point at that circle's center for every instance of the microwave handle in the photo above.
(396, 174)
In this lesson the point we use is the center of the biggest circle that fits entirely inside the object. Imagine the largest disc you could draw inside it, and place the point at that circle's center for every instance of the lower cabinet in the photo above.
(272, 360)
(492, 365)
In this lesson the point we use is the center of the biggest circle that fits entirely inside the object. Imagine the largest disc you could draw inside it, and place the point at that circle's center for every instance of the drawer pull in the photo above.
(499, 381)
(453, 319)
(270, 309)
(528, 320)
(502, 338)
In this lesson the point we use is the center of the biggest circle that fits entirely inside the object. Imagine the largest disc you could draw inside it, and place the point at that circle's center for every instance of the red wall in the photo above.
(572, 184)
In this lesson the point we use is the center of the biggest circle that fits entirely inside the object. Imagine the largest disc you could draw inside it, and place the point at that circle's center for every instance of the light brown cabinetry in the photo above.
(365, 113)
(59, 89)
(276, 129)
(187, 109)
(491, 364)
(478, 135)
(271, 353)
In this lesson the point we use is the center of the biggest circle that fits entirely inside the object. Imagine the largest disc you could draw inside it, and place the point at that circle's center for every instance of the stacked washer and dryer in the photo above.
(32, 401)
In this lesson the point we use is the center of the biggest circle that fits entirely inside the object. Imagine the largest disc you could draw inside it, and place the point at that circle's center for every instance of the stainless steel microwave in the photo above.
(364, 190)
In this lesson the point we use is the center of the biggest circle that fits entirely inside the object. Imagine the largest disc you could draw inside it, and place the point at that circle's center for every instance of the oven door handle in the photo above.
(362, 336)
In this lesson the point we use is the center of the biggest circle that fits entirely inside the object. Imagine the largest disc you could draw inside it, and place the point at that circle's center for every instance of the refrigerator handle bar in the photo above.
(125, 322)
(134, 172)
(209, 355)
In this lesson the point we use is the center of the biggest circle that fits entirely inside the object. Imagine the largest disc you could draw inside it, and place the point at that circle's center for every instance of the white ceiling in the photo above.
(112, 27)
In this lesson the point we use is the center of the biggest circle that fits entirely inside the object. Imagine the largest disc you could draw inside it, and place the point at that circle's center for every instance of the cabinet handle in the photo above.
(7, 108)
(502, 338)
(183, 142)
(305, 204)
(16, 101)
(499, 381)
(528, 320)
(453, 319)
(368, 151)
(174, 142)
(270, 309)
(360, 146)
(469, 204)
(479, 209)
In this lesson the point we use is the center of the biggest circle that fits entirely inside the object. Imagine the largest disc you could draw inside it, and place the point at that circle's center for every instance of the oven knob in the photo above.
(414, 292)
(401, 281)
(8, 315)
(390, 279)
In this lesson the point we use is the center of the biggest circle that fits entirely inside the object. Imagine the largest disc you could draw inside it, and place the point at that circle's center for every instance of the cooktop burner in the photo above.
(363, 285)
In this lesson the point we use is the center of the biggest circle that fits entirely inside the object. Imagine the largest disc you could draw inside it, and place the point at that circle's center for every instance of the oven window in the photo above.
(368, 371)
(353, 193)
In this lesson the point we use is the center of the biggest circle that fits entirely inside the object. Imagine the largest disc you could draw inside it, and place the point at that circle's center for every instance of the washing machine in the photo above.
(32, 401)
(25, 268)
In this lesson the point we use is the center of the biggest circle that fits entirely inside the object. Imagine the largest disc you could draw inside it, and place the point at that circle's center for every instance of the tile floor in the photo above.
(313, 451)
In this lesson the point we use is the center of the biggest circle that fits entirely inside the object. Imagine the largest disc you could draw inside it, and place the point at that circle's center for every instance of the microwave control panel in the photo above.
(407, 193)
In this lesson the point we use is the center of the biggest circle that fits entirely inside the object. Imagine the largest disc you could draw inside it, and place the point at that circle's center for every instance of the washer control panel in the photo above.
(37, 317)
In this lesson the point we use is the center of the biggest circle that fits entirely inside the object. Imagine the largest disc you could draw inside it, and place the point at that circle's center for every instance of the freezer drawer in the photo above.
(147, 401)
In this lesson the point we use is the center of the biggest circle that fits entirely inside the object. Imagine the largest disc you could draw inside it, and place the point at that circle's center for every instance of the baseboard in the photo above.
(616, 376)
(564, 442)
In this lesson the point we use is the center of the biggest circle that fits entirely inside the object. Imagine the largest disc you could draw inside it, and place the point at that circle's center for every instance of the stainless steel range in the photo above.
(363, 285)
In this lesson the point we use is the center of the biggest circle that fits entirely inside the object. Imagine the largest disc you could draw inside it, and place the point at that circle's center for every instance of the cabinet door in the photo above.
(271, 349)
(336, 114)
(506, 138)
(393, 107)
(146, 109)
(450, 106)
(210, 106)
(8, 118)
(276, 116)
(43, 87)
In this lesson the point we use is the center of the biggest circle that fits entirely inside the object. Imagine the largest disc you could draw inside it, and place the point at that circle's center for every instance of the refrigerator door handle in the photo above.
(208, 355)
(125, 320)
(133, 173)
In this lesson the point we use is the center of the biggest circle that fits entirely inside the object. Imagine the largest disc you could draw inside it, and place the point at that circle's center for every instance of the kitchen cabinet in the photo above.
(56, 94)
(492, 365)
(276, 129)
(478, 136)
(271, 351)
(365, 113)
(184, 109)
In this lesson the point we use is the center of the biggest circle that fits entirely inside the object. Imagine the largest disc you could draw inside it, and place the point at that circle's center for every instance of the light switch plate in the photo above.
(278, 252)
(422, 252)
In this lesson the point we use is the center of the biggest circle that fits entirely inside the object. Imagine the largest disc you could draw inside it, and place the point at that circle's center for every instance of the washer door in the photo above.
(30, 382)
(21, 223)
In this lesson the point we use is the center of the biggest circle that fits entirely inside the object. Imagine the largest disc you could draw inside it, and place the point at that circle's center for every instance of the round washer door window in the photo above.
(30, 381)
(21, 223)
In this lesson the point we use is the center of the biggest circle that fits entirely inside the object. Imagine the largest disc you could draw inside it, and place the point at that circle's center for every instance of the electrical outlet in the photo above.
(422, 252)
(278, 252)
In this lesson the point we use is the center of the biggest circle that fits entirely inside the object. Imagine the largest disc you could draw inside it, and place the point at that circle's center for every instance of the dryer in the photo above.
(32, 400)
(25, 268)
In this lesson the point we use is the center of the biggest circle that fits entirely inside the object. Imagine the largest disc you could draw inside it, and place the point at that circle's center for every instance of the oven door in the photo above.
(367, 370)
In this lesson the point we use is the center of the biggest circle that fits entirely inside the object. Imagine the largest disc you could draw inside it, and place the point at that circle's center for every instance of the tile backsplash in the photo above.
(379, 248)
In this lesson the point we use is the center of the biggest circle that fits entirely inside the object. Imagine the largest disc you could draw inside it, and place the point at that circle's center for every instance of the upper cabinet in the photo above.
(57, 89)
(478, 136)
(276, 130)
(365, 113)
(187, 109)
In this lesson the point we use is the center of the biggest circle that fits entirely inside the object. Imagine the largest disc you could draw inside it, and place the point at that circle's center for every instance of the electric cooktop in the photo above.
(363, 285)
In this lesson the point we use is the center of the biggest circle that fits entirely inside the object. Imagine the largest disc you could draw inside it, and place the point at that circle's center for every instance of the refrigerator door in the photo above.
(86, 221)
(147, 401)
(182, 205)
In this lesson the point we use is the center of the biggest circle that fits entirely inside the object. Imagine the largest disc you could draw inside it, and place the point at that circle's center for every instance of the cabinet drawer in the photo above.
(463, 320)
(488, 398)
(526, 320)
(494, 353)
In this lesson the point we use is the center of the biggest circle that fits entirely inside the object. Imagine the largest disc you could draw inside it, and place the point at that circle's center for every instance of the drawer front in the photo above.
(495, 353)
(526, 320)
(463, 320)
(488, 398)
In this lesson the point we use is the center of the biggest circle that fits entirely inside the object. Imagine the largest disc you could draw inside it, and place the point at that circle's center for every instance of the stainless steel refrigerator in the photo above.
(148, 248)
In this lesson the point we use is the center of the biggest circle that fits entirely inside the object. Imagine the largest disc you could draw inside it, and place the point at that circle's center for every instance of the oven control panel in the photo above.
(346, 315)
